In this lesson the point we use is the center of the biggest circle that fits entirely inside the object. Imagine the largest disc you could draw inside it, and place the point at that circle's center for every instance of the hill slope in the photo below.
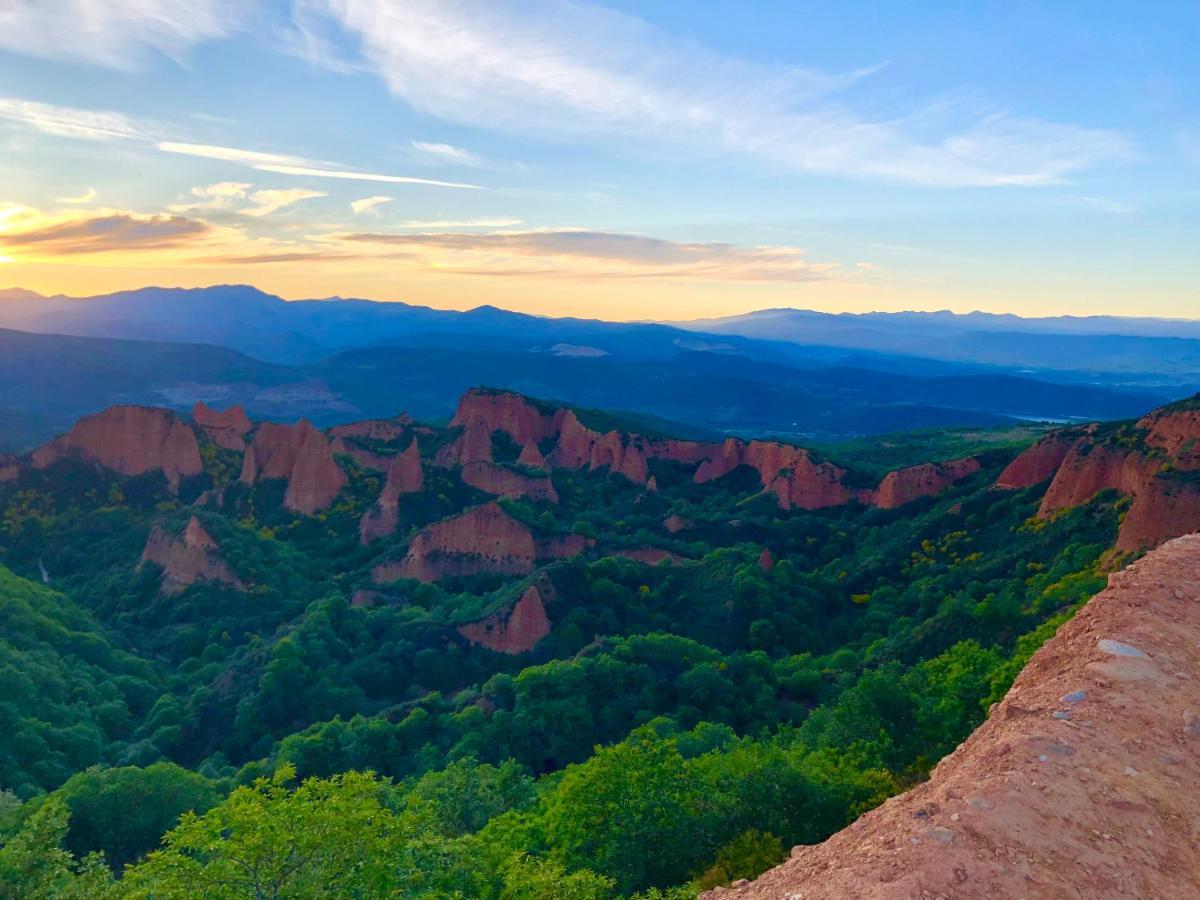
(1080, 784)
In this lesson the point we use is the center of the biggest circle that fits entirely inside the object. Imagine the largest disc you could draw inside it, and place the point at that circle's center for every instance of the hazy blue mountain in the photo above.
(46, 381)
(1117, 349)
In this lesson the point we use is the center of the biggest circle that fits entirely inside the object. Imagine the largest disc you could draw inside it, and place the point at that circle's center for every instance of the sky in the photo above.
(621, 160)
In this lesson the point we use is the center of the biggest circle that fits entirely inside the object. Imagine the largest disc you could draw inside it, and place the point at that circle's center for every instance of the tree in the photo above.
(327, 837)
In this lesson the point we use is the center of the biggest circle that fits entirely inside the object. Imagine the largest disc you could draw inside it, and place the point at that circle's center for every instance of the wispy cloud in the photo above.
(263, 203)
(588, 255)
(1107, 205)
(369, 205)
(86, 197)
(567, 68)
(466, 223)
(26, 231)
(295, 165)
(101, 125)
(70, 122)
(118, 34)
(238, 197)
(445, 154)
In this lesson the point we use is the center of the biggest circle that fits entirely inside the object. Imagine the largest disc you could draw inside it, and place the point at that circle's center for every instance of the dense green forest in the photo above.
(681, 725)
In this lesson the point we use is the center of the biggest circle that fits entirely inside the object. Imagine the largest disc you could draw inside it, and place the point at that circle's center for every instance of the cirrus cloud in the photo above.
(578, 253)
(563, 68)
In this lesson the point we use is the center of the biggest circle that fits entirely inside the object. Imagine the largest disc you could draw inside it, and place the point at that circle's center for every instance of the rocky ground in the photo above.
(1084, 782)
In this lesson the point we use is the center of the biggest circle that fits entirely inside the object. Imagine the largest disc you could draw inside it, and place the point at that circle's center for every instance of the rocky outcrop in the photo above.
(226, 429)
(501, 481)
(676, 523)
(518, 627)
(384, 430)
(473, 444)
(1155, 461)
(582, 448)
(187, 558)
(562, 546)
(10, 469)
(1080, 784)
(1038, 464)
(368, 459)
(905, 485)
(652, 556)
(531, 456)
(1164, 507)
(505, 411)
(483, 539)
(766, 561)
(405, 476)
(301, 455)
(131, 440)
(790, 473)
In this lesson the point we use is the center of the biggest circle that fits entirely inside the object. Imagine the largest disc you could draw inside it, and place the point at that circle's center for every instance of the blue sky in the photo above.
(624, 160)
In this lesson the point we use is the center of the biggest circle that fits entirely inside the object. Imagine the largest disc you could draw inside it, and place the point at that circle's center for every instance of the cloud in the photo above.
(221, 195)
(561, 68)
(369, 205)
(66, 121)
(237, 197)
(295, 165)
(445, 154)
(589, 255)
(467, 223)
(86, 197)
(263, 203)
(27, 232)
(101, 125)
(119, 34)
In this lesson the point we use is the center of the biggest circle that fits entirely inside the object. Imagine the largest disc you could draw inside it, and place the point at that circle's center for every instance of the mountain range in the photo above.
(794, 374)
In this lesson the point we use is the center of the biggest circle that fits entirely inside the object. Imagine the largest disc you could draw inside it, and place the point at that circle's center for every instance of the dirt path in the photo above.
(1084, 782)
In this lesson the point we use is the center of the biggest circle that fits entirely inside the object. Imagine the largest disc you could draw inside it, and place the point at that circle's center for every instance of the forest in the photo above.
(297, 730)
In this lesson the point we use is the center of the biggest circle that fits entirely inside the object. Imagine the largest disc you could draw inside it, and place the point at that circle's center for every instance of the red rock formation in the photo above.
(374, 429)
(368, 459)
(131, 440)
(187, 558)
(225, 429)
(517, 628)
(652, 485)
(300, 454)
(1164, 507)
(562, 546)
(786, 471)
(501, 481)
(766, 561)
(1092, 467)
(924, 480)
(507, 412)
(531, 456)
(473, 444)
(9, 468)
(720, 463)
(575, 443)
(676, 523)
(483, 539)
(405, 476)
(1177, 431)
(810, 485)
(579, 447)
(1080, 784)
(1038, 463)
(652, 556)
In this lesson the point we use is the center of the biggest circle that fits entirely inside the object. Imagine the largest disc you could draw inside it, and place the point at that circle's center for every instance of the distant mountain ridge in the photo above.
(1099, 344)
